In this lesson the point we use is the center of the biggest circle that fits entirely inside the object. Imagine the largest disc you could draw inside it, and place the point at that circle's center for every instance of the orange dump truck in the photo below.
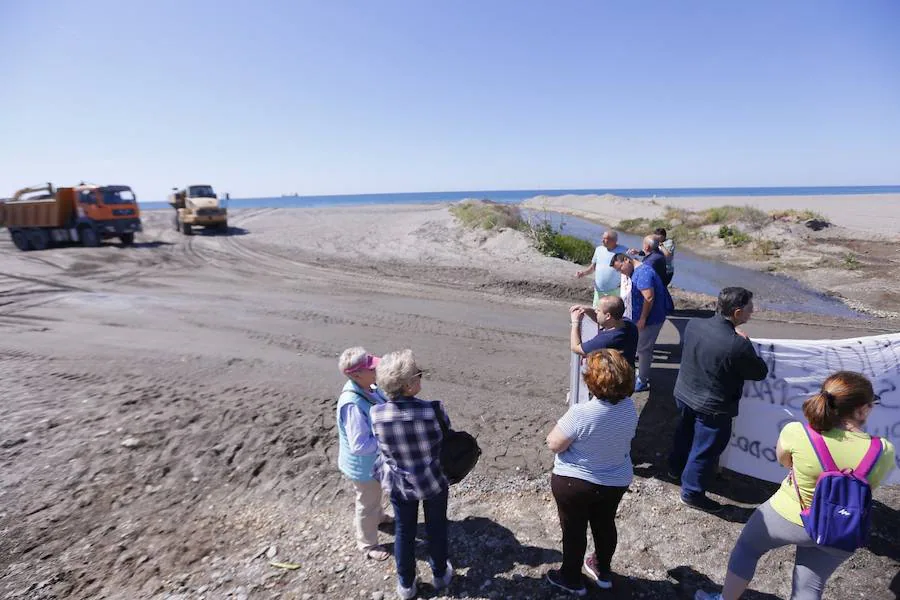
(38, 217)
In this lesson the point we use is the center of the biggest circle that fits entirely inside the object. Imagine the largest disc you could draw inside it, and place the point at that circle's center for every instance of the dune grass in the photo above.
(550, 241)
(485, 214)
(796, 216)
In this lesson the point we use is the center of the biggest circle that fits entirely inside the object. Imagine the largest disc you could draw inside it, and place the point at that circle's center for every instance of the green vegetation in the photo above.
(765, 248)
(733, 236)
(850, 262)
(484, 214)
(552, 242)
(796, 216)
(753, 217)
(684, 225)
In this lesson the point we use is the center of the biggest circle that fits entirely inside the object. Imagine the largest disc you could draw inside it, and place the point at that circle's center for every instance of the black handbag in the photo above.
(459, 450)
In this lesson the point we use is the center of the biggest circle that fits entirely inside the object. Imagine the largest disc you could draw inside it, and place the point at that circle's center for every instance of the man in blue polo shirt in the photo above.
(606, 279)
(615, 332)
(650, 303)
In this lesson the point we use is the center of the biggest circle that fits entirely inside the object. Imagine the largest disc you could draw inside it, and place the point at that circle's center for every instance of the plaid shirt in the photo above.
(409, 443)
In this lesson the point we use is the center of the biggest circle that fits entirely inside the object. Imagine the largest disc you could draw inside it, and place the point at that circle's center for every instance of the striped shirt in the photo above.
(601, 435)
(409, 443)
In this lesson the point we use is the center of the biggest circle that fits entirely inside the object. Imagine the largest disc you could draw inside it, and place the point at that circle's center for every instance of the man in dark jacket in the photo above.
(716, 359)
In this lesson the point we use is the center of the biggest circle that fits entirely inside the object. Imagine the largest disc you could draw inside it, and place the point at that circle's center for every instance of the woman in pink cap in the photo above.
(358, 447)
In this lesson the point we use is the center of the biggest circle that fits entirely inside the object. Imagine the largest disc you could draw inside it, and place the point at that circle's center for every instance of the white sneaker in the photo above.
(410, 592)
(442, 582)
(701, 595)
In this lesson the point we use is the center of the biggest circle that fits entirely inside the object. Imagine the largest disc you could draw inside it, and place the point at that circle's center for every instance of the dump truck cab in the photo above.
(111, 209)
(198, 206)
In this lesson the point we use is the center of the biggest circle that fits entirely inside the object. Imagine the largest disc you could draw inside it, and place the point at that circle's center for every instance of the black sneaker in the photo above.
(554, 577)
(703, 503)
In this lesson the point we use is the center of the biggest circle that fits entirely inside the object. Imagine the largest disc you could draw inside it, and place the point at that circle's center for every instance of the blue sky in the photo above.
(328, 97)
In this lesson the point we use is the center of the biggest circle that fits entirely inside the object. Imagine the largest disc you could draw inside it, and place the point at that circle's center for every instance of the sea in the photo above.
(517, 196)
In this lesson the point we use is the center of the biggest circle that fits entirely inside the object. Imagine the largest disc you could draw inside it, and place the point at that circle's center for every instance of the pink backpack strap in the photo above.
(821, 450)
(871, 457)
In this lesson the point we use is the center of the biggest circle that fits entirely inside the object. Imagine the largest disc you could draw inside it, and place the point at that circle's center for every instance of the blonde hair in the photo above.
(395, 371)
(350, 358)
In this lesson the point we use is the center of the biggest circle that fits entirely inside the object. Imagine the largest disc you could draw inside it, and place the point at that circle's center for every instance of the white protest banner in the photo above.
(797, 369)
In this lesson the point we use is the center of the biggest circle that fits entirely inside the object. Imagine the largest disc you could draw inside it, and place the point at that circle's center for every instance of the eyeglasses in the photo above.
(876, 399)
(420, 373)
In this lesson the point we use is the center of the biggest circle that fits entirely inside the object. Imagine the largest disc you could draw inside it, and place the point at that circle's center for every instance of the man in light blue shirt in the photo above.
(606, 278)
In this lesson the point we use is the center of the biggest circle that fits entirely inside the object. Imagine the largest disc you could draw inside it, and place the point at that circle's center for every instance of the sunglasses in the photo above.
(876, 399)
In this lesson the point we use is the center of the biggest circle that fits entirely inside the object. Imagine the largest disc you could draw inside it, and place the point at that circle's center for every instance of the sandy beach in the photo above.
(167, 428)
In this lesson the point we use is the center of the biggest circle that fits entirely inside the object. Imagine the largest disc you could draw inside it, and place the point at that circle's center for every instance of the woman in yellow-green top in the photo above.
(839, 412)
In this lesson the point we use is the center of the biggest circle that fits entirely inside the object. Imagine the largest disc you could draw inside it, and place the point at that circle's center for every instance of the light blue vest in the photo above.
(354, 466)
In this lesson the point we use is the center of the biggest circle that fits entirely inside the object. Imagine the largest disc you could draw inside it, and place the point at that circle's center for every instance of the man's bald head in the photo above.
(613, 306)
(610, 239)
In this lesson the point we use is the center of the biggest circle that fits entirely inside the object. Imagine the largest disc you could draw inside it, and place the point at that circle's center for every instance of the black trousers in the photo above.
(580, 503)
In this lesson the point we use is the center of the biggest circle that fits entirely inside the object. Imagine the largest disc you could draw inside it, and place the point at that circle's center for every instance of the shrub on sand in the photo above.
(574, 249)
(753, 217)
(764, 247)
(850, 262)
(484, 214)
(550, 241)
(797, 216)
(733, 236)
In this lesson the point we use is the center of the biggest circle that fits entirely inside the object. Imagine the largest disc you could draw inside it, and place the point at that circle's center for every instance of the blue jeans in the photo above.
(406, 517)
(699, 441)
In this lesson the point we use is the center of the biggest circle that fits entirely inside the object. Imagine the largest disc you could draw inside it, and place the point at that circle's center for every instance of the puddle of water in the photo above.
(698, 274)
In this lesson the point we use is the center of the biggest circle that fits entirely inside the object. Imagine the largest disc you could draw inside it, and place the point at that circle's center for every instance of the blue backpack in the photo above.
(840, 511)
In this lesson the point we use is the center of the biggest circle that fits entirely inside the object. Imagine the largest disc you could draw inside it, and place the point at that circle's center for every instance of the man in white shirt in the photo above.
(606, 279)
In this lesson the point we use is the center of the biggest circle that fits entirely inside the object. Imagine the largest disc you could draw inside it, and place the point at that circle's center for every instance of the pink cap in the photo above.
(370, 362)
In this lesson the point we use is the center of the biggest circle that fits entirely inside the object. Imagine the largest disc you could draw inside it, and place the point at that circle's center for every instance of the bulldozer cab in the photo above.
(200, 191)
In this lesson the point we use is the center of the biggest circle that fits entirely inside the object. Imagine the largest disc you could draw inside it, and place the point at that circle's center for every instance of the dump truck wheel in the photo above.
(186, 229)
(38, 239)
(88, 237)
(127, 239)
(21, 241)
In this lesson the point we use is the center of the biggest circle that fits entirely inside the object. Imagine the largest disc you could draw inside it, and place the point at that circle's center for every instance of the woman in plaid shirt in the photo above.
(408, 465)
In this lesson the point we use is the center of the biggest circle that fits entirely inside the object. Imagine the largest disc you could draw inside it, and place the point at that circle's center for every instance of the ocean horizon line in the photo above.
(511, 196)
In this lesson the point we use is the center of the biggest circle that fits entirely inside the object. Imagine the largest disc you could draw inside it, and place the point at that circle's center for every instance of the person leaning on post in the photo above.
(357, 447)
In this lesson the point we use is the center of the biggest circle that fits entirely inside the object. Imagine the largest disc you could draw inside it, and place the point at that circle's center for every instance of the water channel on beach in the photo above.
(695, 273)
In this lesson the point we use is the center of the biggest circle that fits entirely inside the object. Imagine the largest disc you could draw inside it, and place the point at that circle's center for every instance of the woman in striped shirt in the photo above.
(592, 469)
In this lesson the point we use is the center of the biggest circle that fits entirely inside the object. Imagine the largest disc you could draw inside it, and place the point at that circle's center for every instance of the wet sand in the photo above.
(168, 413)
